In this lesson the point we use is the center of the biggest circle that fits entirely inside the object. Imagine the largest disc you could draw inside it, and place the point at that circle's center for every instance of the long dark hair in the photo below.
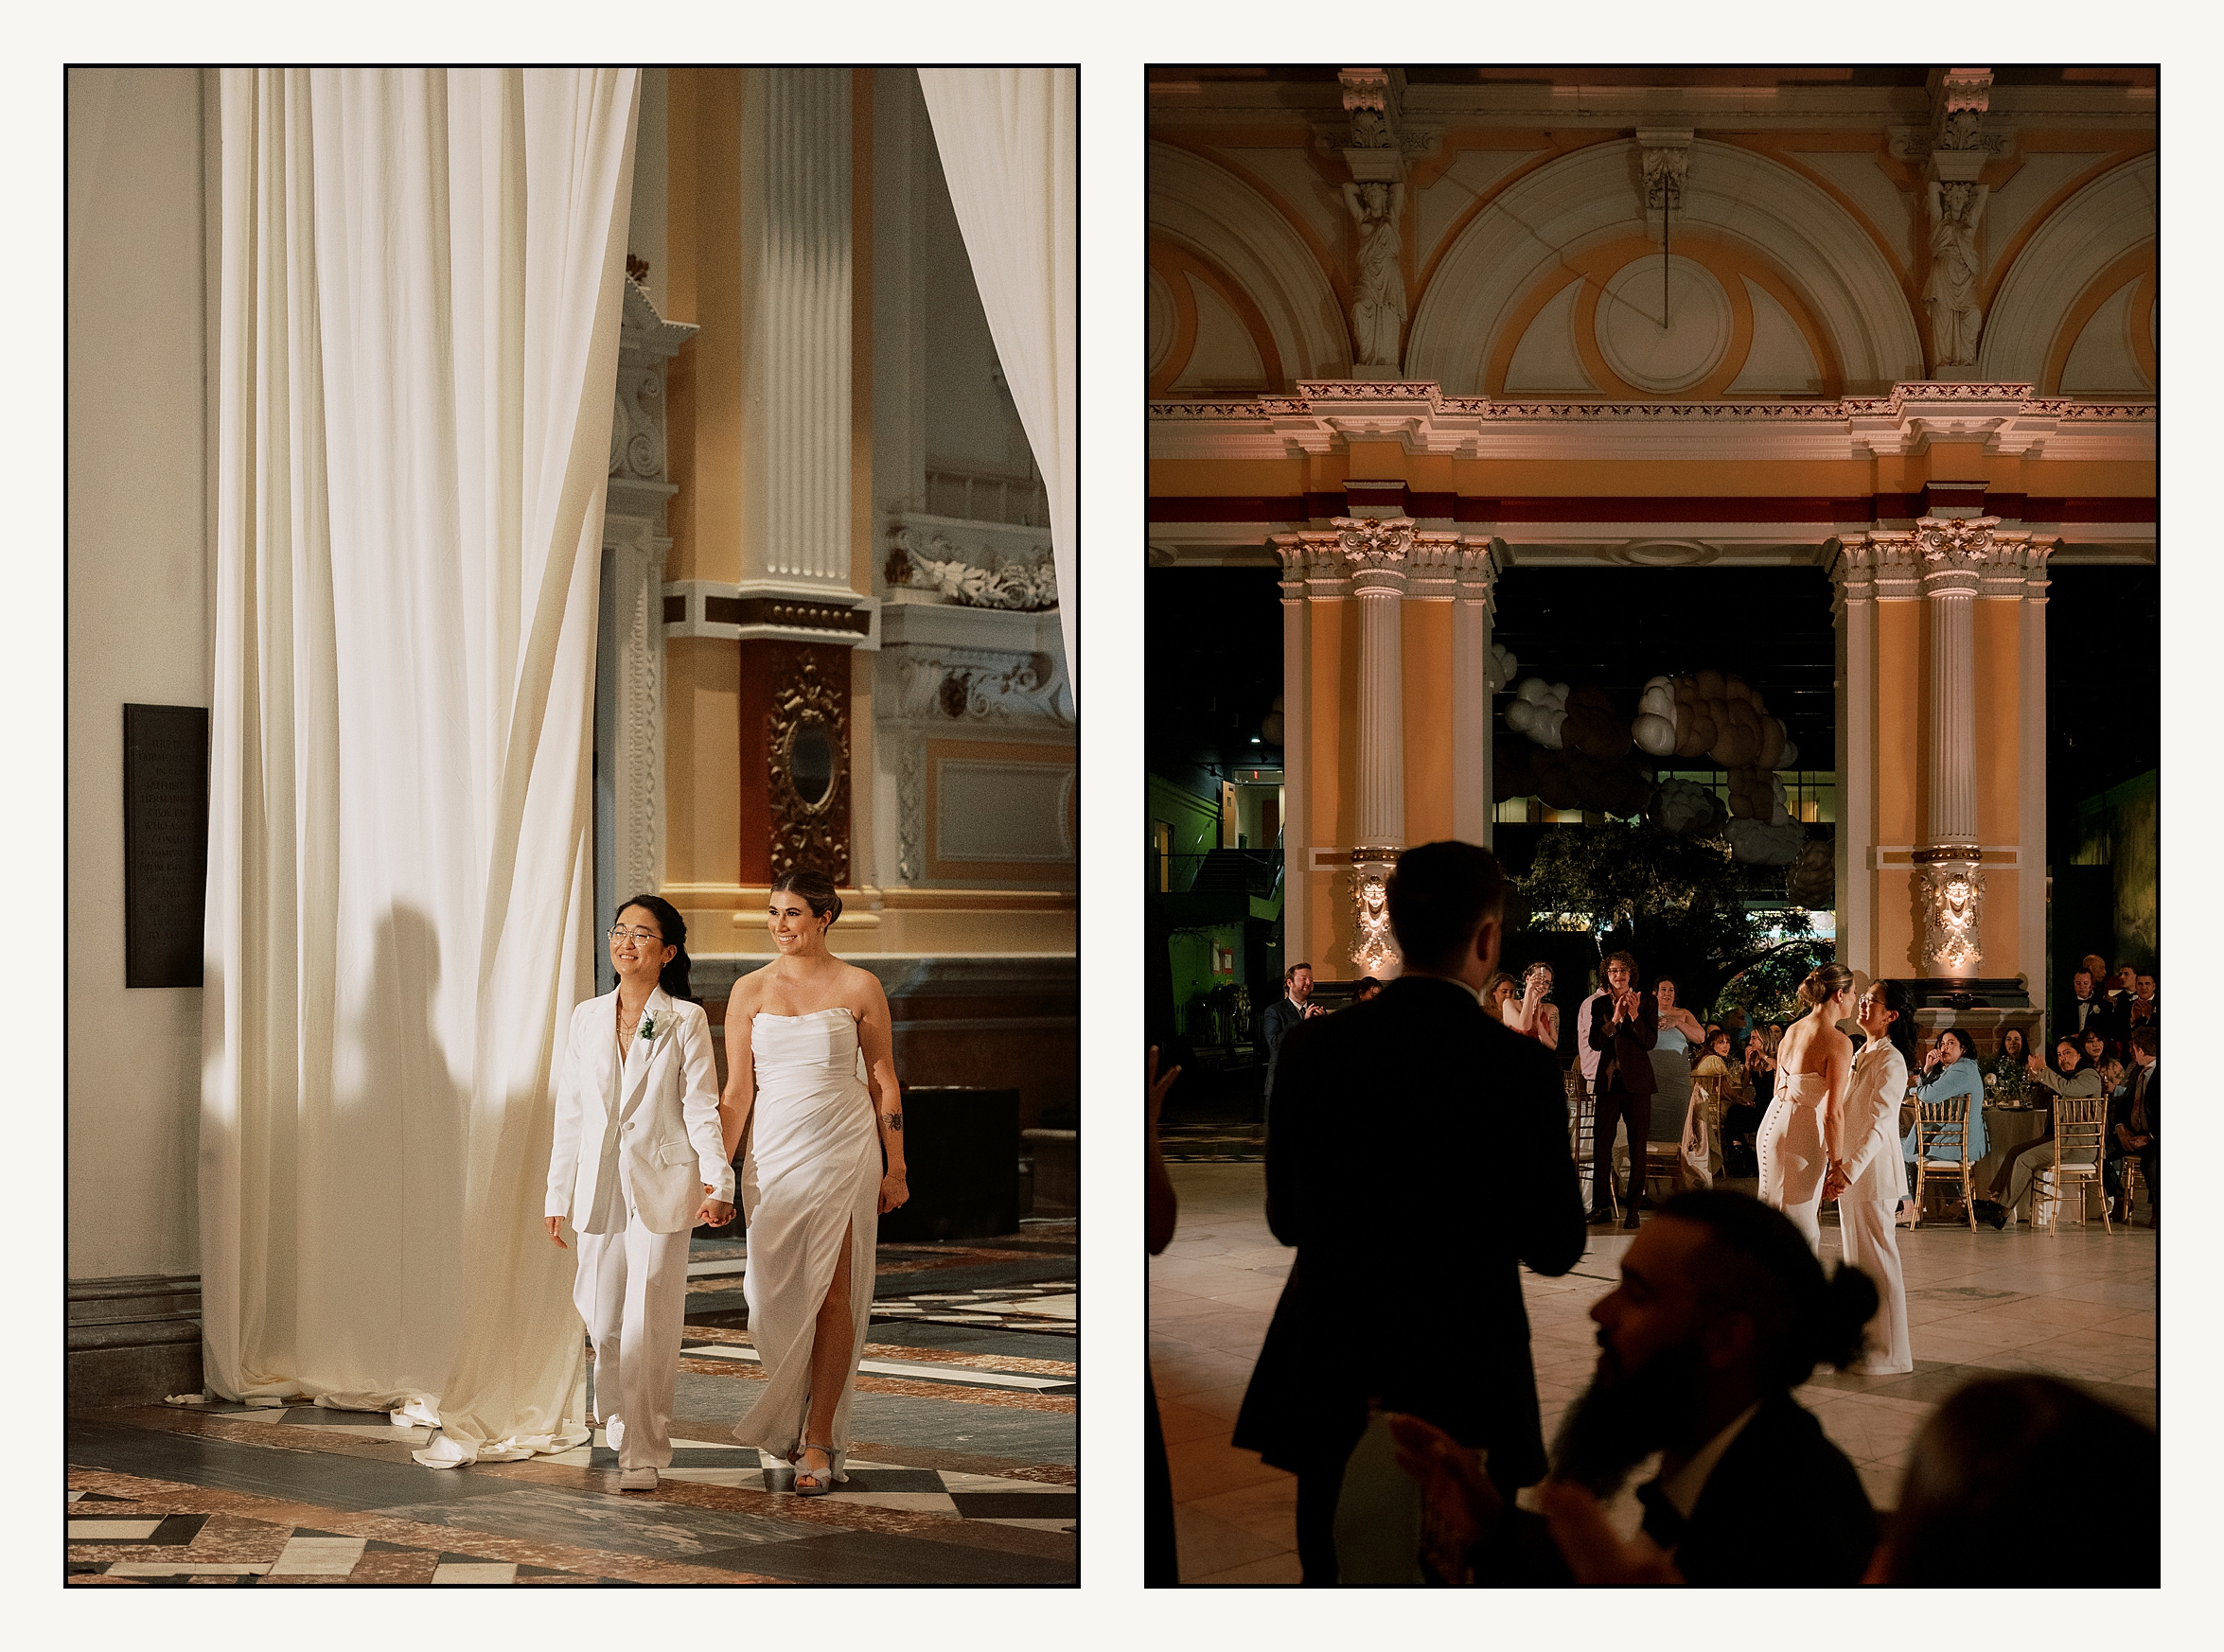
(1901, 1005)
(674, 929)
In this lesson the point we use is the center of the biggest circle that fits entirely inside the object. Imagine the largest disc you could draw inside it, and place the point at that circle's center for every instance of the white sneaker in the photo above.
(613, 1432)
(638, 1480)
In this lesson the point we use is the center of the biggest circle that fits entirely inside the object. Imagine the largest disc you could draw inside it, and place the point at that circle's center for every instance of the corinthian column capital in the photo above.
(1377, 551)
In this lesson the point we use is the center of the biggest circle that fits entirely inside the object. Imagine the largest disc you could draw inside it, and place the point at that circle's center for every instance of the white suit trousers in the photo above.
(631, 1290)
(1864, 1229)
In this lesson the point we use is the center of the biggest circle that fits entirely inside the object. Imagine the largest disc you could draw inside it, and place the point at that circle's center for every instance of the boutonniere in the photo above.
(649, 1028)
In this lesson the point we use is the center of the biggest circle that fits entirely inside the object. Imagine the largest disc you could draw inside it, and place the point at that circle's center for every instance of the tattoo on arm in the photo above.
(895, 1123)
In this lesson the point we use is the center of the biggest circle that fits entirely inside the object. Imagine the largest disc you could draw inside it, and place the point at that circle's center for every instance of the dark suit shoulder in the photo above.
(1784, 1505)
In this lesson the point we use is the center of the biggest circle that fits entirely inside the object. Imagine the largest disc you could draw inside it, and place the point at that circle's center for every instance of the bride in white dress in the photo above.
(812, 1183)
(1798, 1139)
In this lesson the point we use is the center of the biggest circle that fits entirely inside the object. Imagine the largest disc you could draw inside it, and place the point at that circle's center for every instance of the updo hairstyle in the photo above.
(1824, 984)
(815, 888)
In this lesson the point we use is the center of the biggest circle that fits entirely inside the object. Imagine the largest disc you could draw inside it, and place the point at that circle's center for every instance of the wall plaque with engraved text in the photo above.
(165, 843)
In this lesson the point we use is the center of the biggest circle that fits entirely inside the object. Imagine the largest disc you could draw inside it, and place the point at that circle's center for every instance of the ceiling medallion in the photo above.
(1644, 353)
(1664, 554)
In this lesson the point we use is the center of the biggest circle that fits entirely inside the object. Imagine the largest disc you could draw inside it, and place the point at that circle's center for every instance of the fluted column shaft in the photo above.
(1951, 595)
(1296, 760)
(1380, 811)
(804, 318)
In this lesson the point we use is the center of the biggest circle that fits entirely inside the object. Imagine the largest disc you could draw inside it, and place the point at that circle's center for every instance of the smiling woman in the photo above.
(637, 1151)
(812, 1182)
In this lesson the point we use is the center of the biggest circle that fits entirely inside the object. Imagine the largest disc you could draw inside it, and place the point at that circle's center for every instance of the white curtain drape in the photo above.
(416, 354)
(1008, 140)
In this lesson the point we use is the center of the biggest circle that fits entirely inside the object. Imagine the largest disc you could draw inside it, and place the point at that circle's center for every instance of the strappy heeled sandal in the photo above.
(815, 1482)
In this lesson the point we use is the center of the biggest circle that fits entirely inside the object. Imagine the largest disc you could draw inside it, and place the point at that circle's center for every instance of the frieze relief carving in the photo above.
(1950, 902)
(973, 577)
(910, 810)
(976, 685)
(1374, 949)
(806, 832)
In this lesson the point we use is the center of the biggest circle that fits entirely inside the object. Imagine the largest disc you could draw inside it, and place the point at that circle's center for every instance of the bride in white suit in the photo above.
(1869, 1181)
(811, 1080)
(637, 1151)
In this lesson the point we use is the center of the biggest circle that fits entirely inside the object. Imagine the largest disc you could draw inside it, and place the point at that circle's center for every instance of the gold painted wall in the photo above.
(1997, 629)
(1425, 669)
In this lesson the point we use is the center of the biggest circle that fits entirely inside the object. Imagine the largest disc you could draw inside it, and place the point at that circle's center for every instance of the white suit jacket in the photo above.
(1871, 1131)
(643, 1133)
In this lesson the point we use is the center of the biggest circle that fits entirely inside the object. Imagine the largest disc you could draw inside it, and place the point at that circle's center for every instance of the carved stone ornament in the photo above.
(1950, 898)
(1374, 951)
(1665, 170)
(911, 810)
(1027, 585)
(977, 685)
(808, 831)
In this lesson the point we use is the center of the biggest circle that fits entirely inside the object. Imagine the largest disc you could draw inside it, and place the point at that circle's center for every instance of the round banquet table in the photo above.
(2006, 1129)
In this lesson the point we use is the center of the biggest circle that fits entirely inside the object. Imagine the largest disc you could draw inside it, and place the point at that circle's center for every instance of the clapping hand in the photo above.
(1457, 1501)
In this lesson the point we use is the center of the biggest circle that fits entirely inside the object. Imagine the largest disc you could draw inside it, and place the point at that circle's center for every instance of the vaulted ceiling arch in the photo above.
(2091, 234)
(1732, 196)
(1236, 231)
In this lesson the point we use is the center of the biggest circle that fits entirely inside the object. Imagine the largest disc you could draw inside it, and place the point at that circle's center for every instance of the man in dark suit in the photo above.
(1625, 1025)
(1294, 1005)
(2089, 1004)
(1416, 1157)
(2135, 1127)
(1721, 1312)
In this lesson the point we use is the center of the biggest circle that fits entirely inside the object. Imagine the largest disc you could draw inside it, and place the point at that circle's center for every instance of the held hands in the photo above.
(714, 1212)
(892, 1191)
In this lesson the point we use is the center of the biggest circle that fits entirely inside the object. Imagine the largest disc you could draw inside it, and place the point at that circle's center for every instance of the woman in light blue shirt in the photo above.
(1948, 1072)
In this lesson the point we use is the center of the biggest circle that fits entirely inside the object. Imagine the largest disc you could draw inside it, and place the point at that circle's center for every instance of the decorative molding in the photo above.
(911, 809)
(766, 612)
(807, 833)
(1325, 416)
(1374, 947)
(2107, 218)
(1949, 903)
(975, 685)
(640, 493)
(1664, 158)
(927, 560)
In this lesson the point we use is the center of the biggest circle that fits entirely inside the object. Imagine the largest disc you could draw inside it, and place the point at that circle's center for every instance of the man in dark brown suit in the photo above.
(1625, 1025)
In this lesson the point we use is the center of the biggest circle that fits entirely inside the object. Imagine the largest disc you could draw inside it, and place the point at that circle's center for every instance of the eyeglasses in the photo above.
(620, 935)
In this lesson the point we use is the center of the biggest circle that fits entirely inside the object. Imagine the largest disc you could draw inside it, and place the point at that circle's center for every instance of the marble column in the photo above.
(1852, 575)
(1471, 694)
(805, 314)
(1375, 552)
(1952, 551)
(1296, 753)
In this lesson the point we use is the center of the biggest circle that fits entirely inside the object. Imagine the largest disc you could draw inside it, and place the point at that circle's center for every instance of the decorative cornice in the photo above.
(1326, 415)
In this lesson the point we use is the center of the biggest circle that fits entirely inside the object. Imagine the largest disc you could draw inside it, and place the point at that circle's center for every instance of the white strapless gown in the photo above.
(810, 1176)
(1791, 1148)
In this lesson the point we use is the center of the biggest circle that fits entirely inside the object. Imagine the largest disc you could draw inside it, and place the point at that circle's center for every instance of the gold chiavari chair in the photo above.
(2079, 1124)
(1944, 1123)
(1580, 1117)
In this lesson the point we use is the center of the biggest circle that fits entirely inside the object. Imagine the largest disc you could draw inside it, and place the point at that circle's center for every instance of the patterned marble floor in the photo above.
(2080, 1306)
(962, 1471)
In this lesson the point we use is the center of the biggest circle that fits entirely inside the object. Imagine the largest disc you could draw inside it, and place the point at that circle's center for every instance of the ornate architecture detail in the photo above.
(912, 810)
(1950, 292)
(980, 685)
(1666, 157)
(1378, 284)
(808, 831)
(927, 559)
(1376, 547)
(1374, 950)
(638, 575)
(635, 541)
(1950, 900)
